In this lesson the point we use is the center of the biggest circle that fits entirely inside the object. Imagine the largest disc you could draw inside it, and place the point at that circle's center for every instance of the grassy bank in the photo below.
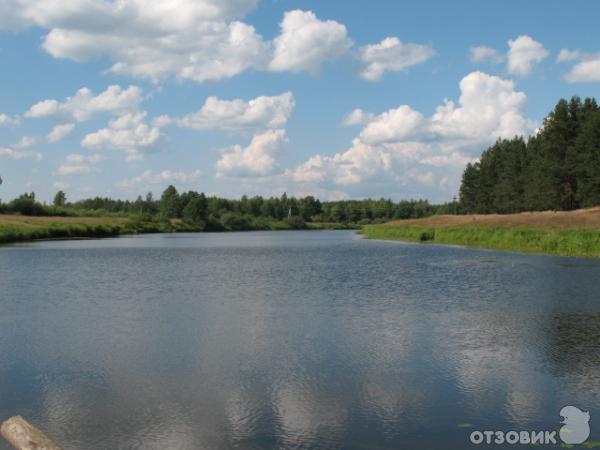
(574, 233)
(16, 228)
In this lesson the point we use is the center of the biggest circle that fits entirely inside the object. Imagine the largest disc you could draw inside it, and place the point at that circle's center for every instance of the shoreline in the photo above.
(582, 242)
(18, 229)
(572, 234)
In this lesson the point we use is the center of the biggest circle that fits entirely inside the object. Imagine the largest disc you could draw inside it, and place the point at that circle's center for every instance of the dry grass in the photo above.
(548, 220)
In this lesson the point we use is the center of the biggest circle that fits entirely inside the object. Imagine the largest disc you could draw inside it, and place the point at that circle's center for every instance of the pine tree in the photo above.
(558, 168)
(469, 188)
(508, 188)
(588, 168)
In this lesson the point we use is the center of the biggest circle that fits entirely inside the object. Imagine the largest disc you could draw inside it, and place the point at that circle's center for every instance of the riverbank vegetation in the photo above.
(18, 228)
(25, 218)
(573, 233)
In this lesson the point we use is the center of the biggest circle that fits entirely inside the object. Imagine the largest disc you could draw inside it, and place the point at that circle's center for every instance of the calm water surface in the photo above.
(292, 340)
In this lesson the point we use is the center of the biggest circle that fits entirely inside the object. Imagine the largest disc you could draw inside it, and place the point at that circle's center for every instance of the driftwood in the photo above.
(24, 436)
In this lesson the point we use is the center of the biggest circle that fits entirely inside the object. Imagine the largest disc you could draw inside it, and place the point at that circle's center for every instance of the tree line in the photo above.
(215, 213)
(556, 169)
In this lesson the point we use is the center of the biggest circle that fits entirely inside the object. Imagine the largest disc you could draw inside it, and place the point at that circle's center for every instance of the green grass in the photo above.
(17, 233)
(565, 242)
(30, 229)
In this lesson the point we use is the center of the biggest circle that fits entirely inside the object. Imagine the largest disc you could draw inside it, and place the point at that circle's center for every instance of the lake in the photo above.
(292, 340)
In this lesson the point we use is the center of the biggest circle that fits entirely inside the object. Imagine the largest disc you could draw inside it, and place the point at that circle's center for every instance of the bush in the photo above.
(236, 222)
(261, 223)
(427, 236)
(296, 223)
(213, 224)
(26, 205)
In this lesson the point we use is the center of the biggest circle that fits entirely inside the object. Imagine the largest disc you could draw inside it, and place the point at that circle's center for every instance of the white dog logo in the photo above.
(576, 428)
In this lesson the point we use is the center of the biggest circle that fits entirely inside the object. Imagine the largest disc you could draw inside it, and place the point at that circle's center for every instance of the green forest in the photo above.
(556, 169)
(204, 213)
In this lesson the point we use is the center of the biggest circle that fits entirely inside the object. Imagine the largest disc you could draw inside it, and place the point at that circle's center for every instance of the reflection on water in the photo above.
(312, 340)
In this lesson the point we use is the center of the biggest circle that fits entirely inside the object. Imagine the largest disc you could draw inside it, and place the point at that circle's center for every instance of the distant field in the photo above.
(574, 233)
(582, 218)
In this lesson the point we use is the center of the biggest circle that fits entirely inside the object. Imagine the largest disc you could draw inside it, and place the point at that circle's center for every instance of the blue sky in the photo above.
(232, 97)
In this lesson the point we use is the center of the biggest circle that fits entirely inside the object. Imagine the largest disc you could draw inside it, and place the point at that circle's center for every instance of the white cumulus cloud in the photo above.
(523, 54)
(190, 39)
(59, 132)
(26, 142)
(392, 126)
(73, 169)
(128, 133)
(234, 115)
(586, 69)
(173, 14)
(482, 54)
(163, 178)
(7, 120)
(306, 42)
(84, 104)
(392, 55)
(16, 154)
(358, 164)
(257, 159)
(566, 55)
(489, 108)
(455, 159)
(76, 164)
(358, 117)
(404, 149)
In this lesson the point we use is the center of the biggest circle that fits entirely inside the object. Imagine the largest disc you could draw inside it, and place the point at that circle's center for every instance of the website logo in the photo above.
(575, 430)
(576, 427)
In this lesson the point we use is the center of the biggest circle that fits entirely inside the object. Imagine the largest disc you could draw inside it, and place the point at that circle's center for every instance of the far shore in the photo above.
(17, 228)
(573, 233)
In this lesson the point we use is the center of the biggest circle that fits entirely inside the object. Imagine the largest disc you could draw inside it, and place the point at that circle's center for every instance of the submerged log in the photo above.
(24, 436)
